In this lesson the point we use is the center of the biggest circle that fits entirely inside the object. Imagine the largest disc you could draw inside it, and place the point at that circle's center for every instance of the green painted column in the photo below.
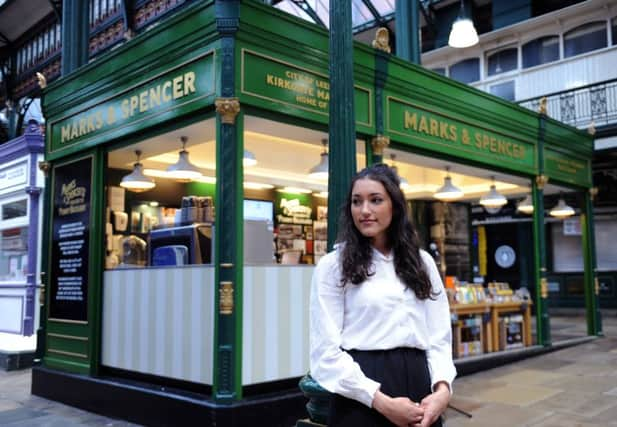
(592, 287)
(75, 35)
(380, 142)
(543, 328)
(227, 385)
(407, 30)
(342, 154)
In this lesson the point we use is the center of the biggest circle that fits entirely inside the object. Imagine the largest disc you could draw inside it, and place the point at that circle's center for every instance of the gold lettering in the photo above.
(134, 103)
(434, 127)
(125, 108)
(65, 133)
(91, 127)
(167, 91)
(143, 101)
(177, 91)
(74, 131)
(493, 145)
(155, 96)
(443, 130)
(411, 121)
(478, 137)
(423, 125)
(99, 119)
(111, 115)
(189, 83)
(322, 94)
(270, 80)
(82, 127)
(453, 133)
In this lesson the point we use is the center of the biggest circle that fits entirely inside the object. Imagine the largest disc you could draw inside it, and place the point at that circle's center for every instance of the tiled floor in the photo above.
(576, 386)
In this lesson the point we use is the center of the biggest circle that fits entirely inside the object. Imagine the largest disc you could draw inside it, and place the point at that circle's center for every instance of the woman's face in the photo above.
(371, 209)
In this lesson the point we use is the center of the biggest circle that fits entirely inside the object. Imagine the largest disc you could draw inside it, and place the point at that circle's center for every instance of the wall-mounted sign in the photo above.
(436, 131)
(72, 183)
(290, 85)
(13, 175)
(180, 86)
(567, 168)
(505, 256)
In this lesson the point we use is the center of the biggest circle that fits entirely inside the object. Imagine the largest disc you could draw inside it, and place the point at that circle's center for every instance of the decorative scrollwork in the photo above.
(228, 108)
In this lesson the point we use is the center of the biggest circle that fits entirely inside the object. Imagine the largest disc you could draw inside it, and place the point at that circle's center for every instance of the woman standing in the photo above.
(380, 321)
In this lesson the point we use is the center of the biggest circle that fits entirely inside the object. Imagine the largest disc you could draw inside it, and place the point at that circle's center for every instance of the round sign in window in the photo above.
(505, 256)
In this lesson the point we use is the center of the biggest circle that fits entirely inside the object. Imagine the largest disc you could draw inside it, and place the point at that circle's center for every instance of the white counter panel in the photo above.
(12, 306)
(275, 336)
(160, 322)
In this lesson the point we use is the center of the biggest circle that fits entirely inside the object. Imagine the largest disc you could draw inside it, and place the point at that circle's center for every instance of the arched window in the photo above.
(540, 51)
(502, 61)
(466, 71)
(585, 38)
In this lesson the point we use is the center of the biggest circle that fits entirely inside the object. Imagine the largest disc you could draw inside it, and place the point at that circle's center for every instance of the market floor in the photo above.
(576, 386)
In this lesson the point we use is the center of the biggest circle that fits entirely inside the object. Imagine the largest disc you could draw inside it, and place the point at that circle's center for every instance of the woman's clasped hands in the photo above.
(403, 412)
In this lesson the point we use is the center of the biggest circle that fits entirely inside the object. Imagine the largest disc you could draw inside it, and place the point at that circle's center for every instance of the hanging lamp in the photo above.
(561, 209)
(248, 159)
(493, 199)
(463, 33)
(403, 183)
(448, 192)
(183, 169)
(320, 171)
(136, 181)
(526, 205)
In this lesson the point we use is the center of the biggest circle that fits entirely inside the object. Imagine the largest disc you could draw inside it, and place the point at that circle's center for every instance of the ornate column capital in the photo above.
(541, 181)
(382, 40)
(591, 130)
(44, 166)
(379, 143)
(42, 80)
(543, 105)
(593, 192)
(228, 108)
(226, 298)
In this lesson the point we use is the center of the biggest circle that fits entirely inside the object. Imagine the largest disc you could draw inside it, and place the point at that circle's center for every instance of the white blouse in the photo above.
(379, 314)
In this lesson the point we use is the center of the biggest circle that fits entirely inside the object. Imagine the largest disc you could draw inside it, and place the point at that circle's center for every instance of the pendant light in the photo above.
(526, 205)
(463, 33)
(183, 169)
(320, 171)
(403, 183)
(448, 192)
(136, 181)
(493, 199)
(248, 159)
(561, 209)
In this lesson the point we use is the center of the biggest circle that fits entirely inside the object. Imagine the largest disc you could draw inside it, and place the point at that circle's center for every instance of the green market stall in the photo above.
(214, 325)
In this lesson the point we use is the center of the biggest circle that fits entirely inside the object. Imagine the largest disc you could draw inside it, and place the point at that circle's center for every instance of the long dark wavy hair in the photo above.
(356, 257)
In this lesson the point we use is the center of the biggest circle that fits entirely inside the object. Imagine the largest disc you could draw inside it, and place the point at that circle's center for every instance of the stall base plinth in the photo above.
(158, 408)
(14, 360)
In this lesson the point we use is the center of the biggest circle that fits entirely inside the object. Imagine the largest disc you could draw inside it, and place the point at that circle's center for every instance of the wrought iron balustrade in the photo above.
(581, 106)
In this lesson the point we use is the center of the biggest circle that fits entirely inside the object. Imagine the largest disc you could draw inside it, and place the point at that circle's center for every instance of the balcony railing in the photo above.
(580, 107)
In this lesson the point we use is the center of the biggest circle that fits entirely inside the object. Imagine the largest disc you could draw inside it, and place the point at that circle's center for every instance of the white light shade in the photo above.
(257, 186)
(321, 194)
(320, 171)
(463, 33)
(248, 159)
(493, 199)
(294, 190)
(561, 209)
(526, 205)
(448, 192)
(136, 181)
(183, 169)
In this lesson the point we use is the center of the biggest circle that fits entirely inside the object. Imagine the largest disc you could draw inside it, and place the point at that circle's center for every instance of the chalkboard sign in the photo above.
(72, 183)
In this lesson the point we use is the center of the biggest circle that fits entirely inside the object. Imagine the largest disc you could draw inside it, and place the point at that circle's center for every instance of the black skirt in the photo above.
(401, 372)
